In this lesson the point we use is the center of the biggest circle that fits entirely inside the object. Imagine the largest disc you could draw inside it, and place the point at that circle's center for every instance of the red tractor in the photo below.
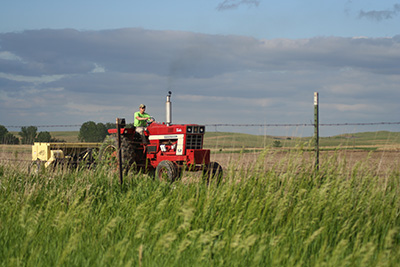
(170, 149)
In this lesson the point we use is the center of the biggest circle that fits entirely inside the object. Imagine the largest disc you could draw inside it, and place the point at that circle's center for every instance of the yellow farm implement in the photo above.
(71, 154)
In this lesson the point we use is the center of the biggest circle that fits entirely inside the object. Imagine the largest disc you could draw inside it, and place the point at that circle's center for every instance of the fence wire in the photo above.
(221, 147)
(238, 124)
(45, 126)
(300, 124)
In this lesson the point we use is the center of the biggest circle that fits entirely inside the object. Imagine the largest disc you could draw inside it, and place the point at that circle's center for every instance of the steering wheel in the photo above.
(150, 122)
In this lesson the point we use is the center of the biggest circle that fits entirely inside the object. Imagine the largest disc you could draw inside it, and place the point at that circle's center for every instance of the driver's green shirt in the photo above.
(138, 123)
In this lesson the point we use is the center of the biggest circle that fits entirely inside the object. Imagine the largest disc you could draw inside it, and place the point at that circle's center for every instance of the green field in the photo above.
(256, 217)
(238, 140)
(227, 142)
(68, 136)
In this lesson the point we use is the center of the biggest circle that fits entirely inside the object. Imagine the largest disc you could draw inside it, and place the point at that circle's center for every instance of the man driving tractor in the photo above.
(140, 121)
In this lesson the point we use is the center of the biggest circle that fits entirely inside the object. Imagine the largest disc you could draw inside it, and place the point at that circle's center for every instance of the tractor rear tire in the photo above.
(166, 171)
(128, 152)
(212, 173)
(109, 152)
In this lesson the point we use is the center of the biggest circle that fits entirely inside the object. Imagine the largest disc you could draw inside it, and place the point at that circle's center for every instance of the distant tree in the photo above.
(110, 125)
(10, 139)
(277, 143)
(7, 137)
(101, 132)
(44, 137)
(55, 140)
(92, 132)
(3, 132)
(28, 134)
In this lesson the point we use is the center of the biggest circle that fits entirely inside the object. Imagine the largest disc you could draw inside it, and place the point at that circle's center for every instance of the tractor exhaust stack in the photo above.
(168, 106)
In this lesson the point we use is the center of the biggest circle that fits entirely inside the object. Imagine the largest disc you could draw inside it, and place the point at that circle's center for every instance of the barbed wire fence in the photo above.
(314, 138)
(213, 125)
(45, 126)
(237, 125)
(302, 124)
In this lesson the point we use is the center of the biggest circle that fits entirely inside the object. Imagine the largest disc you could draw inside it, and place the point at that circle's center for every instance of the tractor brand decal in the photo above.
(170, 137)
(179, 130)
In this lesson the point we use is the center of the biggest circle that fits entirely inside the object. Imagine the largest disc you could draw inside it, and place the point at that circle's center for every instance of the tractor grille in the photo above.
(194, 141)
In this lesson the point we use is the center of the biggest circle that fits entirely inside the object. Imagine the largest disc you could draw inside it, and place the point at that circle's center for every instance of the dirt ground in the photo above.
(381, 161)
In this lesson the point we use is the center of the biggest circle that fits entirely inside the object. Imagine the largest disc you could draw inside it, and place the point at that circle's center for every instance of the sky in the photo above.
(225, 61)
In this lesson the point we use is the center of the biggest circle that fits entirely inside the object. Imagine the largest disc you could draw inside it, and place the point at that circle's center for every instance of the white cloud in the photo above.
(86, 108)
(232, 4)
(352, 107)
(236, 101)
(9, 56)
(380, 15)
(43, 90)
(98, 69)
(274, 79)
(346, 89)
(31, 79)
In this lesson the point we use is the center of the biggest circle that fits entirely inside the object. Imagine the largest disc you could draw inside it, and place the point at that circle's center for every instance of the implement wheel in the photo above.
(108, 155)
(166, 171)
(36, 167)
(212, 172)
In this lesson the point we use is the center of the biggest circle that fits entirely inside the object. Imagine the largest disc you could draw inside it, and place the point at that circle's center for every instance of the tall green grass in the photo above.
(332, 217)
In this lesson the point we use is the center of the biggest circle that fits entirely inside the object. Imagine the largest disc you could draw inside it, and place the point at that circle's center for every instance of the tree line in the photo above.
(96, 132)
(88, 132)
(27, 135)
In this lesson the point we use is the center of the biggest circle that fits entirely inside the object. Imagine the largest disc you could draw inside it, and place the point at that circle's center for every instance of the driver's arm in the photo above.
(142, 118)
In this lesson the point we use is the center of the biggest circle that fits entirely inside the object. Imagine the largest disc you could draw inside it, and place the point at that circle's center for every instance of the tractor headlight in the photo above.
(189, 129)
(202, 129)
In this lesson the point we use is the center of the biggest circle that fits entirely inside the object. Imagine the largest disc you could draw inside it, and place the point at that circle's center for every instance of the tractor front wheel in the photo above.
(212, 172)
(166, 171)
